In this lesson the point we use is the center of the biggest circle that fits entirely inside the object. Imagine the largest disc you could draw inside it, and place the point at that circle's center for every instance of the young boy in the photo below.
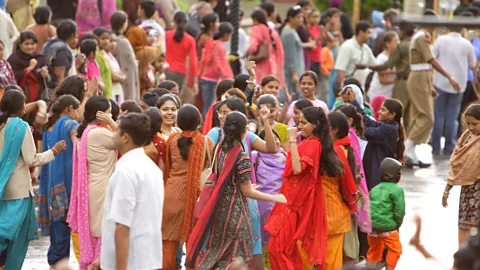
(387, 204)
(159, 67)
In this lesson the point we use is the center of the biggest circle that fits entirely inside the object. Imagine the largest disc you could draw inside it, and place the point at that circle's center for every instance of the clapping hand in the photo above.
(292, 133)
(250, 66)
(288, 97)
(264, 113)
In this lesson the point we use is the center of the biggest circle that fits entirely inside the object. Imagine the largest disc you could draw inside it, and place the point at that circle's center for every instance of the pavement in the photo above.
(423, 195)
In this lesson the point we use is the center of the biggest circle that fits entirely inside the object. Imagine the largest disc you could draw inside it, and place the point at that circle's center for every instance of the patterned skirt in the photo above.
(468, 214)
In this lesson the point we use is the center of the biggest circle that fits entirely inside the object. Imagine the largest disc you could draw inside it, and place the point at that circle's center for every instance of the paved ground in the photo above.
(423, 188)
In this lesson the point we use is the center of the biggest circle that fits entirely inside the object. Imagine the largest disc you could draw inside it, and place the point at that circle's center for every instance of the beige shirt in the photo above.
(19, 184)
(101, 160)
(349, 55)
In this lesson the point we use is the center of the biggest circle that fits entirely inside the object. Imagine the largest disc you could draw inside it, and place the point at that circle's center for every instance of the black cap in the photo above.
(390, 170)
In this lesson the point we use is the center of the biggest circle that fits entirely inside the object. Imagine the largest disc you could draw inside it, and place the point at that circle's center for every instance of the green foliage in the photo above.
(367, 6)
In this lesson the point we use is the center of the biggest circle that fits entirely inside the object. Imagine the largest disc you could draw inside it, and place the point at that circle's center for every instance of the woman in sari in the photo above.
(94, 13)
(125, 56)
(94, 158)
(340, 198)
(224, 224)
(56, 178)
(298, 230)
(29, 67)
(185, 152)
(18, 153)
(145, 55)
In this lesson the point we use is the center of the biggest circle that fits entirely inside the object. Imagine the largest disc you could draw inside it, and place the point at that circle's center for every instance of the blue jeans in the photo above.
(208, 94)
(446, 108)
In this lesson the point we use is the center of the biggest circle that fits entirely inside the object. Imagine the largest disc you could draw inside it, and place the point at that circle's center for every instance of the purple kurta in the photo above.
(269, 172)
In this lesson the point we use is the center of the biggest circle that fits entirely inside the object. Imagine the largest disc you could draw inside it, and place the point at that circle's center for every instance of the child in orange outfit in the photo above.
(387, 203)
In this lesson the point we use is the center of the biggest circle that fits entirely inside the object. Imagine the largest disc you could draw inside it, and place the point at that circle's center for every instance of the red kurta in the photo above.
(303, 218)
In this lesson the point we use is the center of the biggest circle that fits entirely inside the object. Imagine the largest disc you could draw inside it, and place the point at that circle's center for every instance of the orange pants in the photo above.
(377, 244)
(334, 251)
(170, 249)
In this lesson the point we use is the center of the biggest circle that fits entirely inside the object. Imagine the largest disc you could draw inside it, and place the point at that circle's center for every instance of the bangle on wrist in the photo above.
(55, 152)
(446, 192)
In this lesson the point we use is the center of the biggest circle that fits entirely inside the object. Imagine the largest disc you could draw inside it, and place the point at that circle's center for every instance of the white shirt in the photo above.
(7, 33)
(376, 87)
(157, 27)
(135, 199)
(349, 55)
(456, 54)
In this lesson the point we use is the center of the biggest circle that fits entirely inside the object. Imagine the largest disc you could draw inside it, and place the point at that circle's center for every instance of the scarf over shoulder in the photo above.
(465, 161)
(347, 182)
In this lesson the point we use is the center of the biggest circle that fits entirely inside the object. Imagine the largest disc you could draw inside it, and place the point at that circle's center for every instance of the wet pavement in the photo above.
(423, 193)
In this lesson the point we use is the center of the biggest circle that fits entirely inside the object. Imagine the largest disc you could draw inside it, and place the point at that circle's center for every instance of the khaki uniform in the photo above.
(420, 87)
(400, 59)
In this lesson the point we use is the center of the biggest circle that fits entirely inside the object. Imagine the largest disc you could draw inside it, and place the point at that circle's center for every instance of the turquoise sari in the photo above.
(18, 225)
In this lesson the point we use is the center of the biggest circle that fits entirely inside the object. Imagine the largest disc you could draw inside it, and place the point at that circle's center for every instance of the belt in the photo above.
(420, 67)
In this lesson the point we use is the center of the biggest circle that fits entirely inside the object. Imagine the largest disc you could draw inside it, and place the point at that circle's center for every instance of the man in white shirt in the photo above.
(353, 52)
(8, 34)
(146, 12)
(457, 55)
(132, 217)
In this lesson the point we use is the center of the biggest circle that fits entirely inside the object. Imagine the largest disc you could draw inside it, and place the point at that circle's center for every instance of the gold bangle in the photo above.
(55, 152)
(446, 192)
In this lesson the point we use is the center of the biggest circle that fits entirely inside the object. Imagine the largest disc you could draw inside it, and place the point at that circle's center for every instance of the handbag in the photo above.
(206, 187)
(207, 171)
(262, 52)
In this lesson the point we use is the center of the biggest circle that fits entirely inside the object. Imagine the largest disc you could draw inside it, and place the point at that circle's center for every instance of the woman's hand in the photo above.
(44, 72)
(79, 60)
(32, 64)
(445, 199)
(264, 113)
(92, 87)
(95, 265)
(288, 97)
(59, 147)
(104, 118)
(292, 133)
(250, 66)
(280, 198)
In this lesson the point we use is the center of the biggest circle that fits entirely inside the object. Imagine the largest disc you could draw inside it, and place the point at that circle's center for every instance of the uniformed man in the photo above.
(420, 91)
(400, 59)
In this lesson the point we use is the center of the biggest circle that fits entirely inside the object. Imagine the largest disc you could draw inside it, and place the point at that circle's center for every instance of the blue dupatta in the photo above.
(56, 177)
(13, 212)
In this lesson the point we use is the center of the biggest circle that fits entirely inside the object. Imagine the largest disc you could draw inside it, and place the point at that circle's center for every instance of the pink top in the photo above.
(92, 70)
(274, 64)
(315, 54)
(316, 103)
(178, 53)
(214, 65)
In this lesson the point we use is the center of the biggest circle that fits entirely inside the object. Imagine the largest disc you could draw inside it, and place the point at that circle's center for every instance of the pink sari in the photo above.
(78, 214)
(362, 217)
(88, 15)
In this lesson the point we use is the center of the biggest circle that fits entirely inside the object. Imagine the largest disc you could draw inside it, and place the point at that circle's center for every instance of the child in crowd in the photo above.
(159, 67)
(105, 73)
(170, 86)
(269, 169)
(272, 104)
(387, 210)
(118, 77)
(90, 70)
(327, 63)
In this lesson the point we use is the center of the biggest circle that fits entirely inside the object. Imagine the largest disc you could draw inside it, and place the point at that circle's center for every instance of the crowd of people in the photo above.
(151, 147)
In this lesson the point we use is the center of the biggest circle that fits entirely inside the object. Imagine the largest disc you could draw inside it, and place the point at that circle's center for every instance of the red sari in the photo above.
(302, 221)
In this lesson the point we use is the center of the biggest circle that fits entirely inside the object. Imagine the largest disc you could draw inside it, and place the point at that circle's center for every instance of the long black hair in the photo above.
(180, 18)
(117, 20)
(155, 122)
(94, 104)
(339, 121)
(189, 119)
(329, 162)
(207, 21)
(72, 85)
(259, 16)
(291, 13)
(395, 106)
(233, 129)
(59, 106)
(12, 102)
(351, 112)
